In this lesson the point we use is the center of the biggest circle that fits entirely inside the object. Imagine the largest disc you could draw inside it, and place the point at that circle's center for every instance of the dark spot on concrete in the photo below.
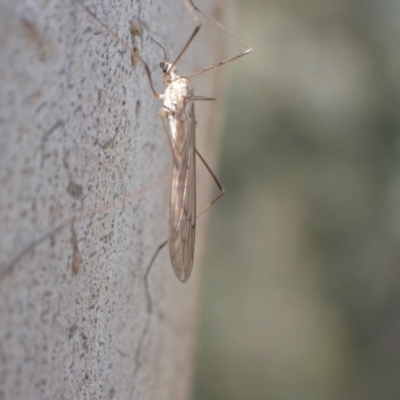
(75, 190)
(137, 109)
(71, 331)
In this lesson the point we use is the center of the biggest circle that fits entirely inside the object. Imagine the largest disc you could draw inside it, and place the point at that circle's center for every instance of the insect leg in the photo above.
(162, 113)
(192, 36)
(241, 54)
(146, 275)
(217, 182)
(133, 52)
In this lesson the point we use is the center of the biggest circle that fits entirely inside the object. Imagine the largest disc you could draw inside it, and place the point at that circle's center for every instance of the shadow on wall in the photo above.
(302, 282)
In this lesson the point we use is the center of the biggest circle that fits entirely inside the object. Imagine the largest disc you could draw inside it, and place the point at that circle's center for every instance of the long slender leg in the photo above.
(146, 275)
(192, 8)
(241, 54)
(133, 52)
(216, 180)
(192, 36)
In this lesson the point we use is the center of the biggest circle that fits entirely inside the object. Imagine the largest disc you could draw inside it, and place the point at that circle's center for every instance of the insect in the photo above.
(178, 109)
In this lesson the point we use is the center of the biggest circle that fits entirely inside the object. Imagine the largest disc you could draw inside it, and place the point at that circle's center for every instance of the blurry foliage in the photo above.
(302, 296)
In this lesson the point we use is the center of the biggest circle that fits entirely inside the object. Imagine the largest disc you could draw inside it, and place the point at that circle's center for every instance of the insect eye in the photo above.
(164, 66)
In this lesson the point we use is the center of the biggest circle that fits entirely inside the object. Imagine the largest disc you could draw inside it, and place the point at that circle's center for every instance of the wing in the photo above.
(183, 195)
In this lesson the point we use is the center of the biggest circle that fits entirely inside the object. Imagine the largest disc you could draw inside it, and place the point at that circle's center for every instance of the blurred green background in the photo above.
(302, 285)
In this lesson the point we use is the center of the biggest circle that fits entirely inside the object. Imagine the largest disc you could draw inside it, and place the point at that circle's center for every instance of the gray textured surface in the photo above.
(84, 201)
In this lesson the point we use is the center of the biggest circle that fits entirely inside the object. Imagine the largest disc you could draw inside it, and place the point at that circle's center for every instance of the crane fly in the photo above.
(178, 109)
